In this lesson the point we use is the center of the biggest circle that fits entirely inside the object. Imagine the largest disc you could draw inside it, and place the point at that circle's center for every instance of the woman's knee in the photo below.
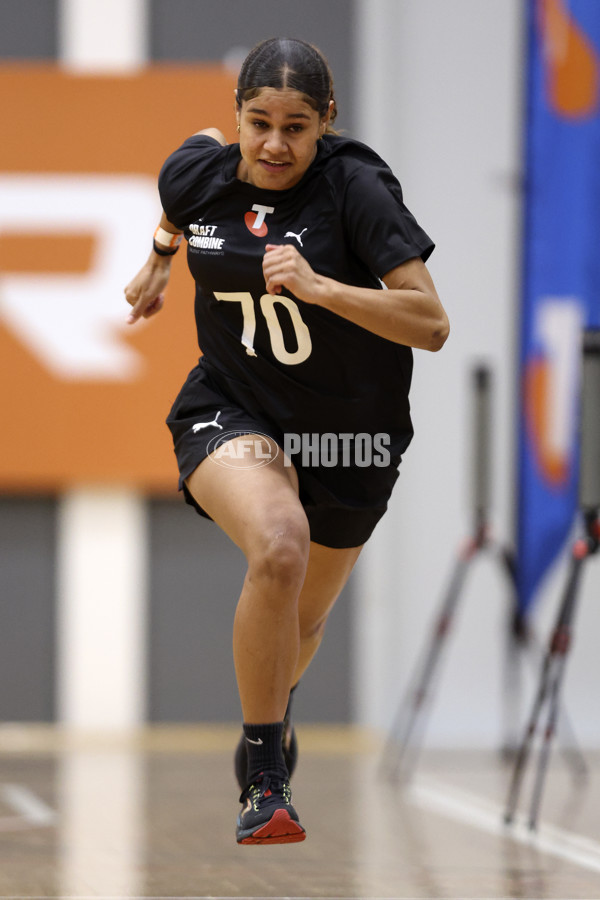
(279, 554)
(311, 629)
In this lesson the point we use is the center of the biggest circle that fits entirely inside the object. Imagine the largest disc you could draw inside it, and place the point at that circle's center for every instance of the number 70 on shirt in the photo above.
(267, 306)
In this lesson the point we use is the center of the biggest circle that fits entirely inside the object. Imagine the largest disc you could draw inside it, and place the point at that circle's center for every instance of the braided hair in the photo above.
(287, 63)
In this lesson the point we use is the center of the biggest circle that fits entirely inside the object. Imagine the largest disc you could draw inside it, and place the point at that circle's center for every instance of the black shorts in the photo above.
(342, 503)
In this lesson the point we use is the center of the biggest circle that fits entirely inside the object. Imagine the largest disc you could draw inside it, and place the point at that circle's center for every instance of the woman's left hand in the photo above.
(284, 266)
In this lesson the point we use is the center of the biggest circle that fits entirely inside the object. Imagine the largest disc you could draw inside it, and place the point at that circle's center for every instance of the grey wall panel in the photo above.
(196, 574)
(27, 566)
(28, 29)
(196, 30)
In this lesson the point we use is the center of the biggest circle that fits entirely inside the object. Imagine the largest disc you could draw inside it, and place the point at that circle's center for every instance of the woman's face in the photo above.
(278, 138)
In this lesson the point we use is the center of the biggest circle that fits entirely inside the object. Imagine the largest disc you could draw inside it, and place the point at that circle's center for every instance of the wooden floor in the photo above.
(153, 816)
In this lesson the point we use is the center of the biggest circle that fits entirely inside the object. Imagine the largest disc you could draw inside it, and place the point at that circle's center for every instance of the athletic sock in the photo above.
(265, 753)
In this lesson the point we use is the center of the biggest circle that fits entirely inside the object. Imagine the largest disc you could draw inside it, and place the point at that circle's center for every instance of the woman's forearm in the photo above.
(403, 315)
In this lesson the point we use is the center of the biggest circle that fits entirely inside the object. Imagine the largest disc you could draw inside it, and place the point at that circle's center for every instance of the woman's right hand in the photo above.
(145, 290)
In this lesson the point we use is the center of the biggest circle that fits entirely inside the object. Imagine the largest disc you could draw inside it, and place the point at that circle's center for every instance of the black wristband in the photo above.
(162, 251)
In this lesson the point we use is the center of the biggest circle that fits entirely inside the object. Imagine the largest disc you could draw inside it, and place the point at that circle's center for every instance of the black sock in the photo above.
(265, 753)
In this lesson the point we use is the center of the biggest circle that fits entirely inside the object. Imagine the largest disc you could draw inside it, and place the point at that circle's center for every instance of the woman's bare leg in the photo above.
(258, 508)
(291, 584)
(326, 574)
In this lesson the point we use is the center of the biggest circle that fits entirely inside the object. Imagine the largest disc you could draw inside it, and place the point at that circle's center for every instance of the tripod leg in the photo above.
(517, 635)
(525, 748)
(569, 746)
(411, 711)
(515, 642)
(547, 740)
(521, 636)
(557, 647)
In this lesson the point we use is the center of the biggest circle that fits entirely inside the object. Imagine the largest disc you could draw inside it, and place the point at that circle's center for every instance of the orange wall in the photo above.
(59, 430)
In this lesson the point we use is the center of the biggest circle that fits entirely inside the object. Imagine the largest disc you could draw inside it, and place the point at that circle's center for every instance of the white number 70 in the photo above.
(267, 305)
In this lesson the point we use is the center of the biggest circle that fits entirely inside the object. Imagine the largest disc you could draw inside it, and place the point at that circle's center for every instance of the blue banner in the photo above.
(561, 286)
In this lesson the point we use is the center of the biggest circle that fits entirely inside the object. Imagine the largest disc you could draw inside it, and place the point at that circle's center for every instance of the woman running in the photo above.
(311, 290)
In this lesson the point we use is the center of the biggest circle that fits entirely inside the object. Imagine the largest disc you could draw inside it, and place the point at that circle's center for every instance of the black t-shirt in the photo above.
(301, 366)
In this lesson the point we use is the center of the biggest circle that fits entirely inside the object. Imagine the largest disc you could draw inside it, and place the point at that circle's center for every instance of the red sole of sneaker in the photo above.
(280, 829)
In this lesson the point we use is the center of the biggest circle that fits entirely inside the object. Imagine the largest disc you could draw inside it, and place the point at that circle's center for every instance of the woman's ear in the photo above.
(326, 119)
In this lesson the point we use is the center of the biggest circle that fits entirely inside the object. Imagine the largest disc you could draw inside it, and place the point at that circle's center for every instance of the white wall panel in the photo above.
(103, 35)
(441, 97)
(102, 565)
(440, 100)
(102, 588)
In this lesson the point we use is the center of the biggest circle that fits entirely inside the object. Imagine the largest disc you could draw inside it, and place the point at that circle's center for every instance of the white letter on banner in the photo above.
(558, 325)
(72, 323)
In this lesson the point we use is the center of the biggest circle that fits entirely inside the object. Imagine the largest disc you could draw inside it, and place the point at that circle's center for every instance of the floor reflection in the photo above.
(155, 816)
(101, 833)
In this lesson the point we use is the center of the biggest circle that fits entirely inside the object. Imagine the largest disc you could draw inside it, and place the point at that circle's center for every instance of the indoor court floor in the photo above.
(153, 815)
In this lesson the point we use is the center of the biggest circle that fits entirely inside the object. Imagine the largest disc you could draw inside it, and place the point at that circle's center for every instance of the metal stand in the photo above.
(551, 678)
(561, 639)
(405, 737)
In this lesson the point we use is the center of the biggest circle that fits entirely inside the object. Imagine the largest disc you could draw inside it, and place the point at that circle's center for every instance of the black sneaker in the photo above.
(290, 755)
(268, 816)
